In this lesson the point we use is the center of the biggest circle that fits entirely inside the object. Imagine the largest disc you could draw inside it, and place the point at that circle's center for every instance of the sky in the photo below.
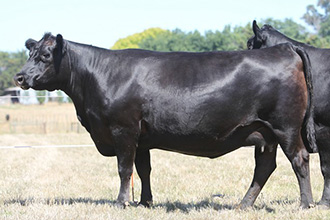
(102, 22)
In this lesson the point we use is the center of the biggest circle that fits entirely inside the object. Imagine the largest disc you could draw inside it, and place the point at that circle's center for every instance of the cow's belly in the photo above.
(190, 145)
(206, 138)
(102, 141)
(105, 149)
(206, 145)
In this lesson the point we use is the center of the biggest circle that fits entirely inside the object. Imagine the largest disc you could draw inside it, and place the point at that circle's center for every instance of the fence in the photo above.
(39, 119)
(42, 125)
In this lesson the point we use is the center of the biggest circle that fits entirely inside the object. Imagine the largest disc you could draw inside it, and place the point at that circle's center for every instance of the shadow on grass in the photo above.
(168, 206)
(197, 206)
(207, 203)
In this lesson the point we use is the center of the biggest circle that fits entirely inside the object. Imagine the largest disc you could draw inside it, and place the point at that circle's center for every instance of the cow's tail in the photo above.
(308, 130)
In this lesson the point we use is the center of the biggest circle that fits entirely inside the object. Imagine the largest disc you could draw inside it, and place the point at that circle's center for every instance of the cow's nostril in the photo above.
(20, 79)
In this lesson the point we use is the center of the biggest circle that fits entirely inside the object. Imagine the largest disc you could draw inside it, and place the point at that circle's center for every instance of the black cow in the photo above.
(267, 36)
(204, 104)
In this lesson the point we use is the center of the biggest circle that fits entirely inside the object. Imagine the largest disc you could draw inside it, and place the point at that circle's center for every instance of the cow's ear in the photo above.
(59, 43)
(255, 28)
(257, 32)
(30, 43)
(58, 52)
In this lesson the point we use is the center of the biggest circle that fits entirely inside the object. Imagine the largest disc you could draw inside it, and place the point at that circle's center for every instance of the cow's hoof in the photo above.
(307, 206)
(146, 204)
(122, 205)
(243, 205)
(312, 205)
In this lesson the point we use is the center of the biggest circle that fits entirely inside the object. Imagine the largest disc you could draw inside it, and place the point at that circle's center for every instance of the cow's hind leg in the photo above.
(298, 156)
(143, 167)
(324, 154)
(265, 160)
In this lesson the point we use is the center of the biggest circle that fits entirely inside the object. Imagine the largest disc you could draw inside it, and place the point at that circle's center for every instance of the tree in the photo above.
(133, 41)
(313, 17)
(230, 38)
(176, 40)
(320, 21)
(288, 27)
(10, 64)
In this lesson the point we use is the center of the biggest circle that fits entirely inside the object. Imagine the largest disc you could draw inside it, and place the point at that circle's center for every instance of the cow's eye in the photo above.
(45, 57)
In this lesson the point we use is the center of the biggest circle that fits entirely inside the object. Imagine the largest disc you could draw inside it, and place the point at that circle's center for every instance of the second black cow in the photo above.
(268, 36)
(204, 104)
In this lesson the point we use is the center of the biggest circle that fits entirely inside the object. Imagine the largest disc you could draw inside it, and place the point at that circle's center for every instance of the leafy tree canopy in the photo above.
(133, 41)
(10, 64)
(230, 38)
(319, 17)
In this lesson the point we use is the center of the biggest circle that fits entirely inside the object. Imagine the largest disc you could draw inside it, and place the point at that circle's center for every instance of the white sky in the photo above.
(103, 22)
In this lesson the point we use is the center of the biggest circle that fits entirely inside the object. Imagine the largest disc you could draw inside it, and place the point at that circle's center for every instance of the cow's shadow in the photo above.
(208, 203)
(169, 206)
(190, 206)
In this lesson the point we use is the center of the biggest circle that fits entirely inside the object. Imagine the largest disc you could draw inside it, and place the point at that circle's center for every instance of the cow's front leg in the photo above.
(125, 158)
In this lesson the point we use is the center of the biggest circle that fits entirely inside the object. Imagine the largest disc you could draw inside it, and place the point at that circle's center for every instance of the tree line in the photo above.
(234, 38)
(230, 38)
(10, 64)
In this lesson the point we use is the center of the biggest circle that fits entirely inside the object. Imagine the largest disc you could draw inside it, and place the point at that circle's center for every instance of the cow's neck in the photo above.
(83, 64)
(278, 39)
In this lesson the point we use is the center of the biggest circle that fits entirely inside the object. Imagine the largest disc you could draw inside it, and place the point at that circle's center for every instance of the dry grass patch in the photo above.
(79, 183)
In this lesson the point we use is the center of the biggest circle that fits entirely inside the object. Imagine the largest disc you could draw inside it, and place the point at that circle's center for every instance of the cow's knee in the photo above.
(300, 163)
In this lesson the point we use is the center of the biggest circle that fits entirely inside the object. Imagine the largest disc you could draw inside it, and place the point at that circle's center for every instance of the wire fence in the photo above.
(27, 96)
(18, 118)
(39, 123)
(40, 120)
(47, 146)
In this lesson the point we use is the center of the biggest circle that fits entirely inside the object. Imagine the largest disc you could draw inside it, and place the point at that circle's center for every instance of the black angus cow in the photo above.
(204, 104)
(267, 36)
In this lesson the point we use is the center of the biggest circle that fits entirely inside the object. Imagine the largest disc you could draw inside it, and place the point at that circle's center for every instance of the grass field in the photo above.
(79, 183)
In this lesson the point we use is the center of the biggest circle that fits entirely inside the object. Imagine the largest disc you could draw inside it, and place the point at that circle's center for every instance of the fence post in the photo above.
(45, 127)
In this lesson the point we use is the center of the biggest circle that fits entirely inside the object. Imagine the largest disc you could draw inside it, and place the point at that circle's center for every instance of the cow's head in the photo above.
(42, 69)
(267, 36)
